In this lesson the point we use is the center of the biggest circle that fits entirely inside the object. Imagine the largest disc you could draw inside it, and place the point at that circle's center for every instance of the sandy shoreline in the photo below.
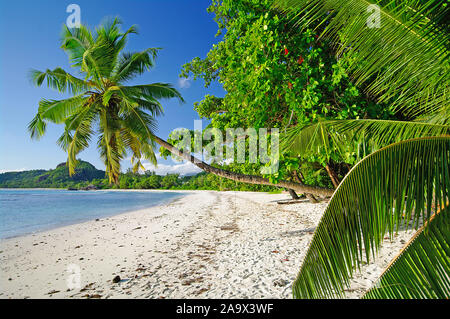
(204, 245)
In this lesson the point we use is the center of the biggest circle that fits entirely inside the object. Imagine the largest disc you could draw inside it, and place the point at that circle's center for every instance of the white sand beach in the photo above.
(205, 245)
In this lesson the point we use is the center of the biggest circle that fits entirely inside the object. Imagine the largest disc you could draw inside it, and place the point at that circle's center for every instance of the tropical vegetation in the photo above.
(405, 182)
(274, 77)
(122, 116)
(362, 106)
(87, 176)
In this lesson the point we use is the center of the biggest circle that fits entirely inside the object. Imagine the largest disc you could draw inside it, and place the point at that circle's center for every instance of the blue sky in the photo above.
(29, 38)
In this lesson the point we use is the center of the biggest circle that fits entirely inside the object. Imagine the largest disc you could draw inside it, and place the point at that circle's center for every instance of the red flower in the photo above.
(290, 85)
(286, 51)
(300, 60)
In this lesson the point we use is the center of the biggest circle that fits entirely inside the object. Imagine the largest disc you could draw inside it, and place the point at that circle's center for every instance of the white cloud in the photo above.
(186, 168)
(12, 170)
(184, 83)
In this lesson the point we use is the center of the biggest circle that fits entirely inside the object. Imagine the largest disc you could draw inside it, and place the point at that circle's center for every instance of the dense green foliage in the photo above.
(275, 77)
(201, 181)
(86, 174)
(54, 178)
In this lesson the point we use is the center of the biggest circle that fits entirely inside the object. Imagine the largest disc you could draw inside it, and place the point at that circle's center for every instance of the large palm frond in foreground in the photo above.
(422, 267)
(401, 185)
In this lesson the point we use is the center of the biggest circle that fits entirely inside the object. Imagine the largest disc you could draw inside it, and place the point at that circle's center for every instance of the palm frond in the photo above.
(60, 80)
(57, 111)
(77, 135)
(395, 186)
(109, 143)
(334, 134)
(155, 91)
(140, 123)
(37, 127)
(75, 42)
(439, 117)
(98, 62)
(132, 64)
(422, 268)
(140, 148)
(403, 61)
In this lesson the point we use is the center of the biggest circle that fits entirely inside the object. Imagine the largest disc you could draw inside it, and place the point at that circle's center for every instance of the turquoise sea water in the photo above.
(27, 211)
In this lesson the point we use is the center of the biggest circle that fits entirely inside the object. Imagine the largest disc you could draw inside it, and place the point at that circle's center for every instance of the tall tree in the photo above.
(123, 116)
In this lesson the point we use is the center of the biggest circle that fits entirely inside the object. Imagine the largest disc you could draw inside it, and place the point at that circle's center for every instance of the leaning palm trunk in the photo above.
(250, 179)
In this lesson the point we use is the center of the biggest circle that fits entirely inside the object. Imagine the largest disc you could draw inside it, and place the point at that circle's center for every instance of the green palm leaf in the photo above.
(75, 42)
(336, 134)
(60, 80)
(133, 64)
(421, 269)
(397, 185)
(56, 111)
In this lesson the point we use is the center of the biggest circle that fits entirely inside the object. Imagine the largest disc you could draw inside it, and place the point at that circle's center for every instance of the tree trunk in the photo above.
(333, 175)
(293, 194)
(250, 179)
(309, 196)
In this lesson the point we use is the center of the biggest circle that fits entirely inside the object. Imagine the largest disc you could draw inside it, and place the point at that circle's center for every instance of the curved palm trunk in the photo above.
(250, 179)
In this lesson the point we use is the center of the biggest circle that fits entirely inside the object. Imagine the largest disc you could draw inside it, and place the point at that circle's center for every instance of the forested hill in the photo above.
(56, 178)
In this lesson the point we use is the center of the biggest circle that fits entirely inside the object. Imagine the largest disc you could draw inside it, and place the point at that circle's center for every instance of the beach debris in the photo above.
(116, 279)
(87, 287)
(188, 282)
(280, 283)
(200, 291)
(229, 226)
(52, 292)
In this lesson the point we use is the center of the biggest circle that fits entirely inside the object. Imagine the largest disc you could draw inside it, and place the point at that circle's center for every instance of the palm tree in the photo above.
(405, 181)
(101, 102)
(122, 115)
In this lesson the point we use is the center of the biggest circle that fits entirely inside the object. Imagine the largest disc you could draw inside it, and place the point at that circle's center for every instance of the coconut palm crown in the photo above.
(121, 116)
